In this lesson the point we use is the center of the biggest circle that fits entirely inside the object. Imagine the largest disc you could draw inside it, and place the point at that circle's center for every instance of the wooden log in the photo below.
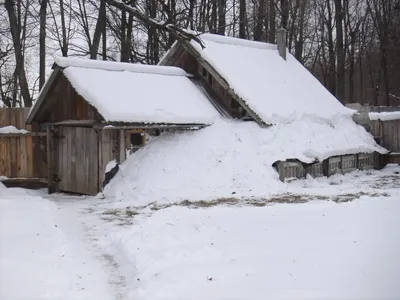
(50, 161)
(122, 149)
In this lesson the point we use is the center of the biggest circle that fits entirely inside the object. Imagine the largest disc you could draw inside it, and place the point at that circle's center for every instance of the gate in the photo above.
(76, 159)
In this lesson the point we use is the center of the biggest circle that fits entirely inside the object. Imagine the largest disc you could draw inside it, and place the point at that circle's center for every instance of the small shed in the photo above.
(95, 112)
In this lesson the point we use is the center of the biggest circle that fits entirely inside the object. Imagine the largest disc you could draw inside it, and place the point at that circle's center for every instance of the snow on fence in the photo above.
(333, 165)
(22, 152)
(383, 122)
(385, 127)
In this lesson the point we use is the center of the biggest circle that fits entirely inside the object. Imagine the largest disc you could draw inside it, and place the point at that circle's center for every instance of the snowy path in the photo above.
(45, 252)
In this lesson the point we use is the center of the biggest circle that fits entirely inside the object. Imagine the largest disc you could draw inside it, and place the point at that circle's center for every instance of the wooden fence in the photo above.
(388, 132)
(21, 155)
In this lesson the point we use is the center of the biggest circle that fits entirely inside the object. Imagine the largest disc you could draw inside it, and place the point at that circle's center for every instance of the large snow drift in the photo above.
(277, 90)
(125, 92)
(230, 159)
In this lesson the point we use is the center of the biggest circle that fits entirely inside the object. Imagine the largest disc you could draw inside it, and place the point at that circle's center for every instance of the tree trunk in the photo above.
(101, 20)
(272, 22)
(128, 42)
(213, 23)
(222, 16)
(259, 21)
(285, 13)
(192, 4)
(15, 28)
(298, 49)
(42, 43)
(124, 55)
(352, 67)
(331, 52)
(340, 52)
(242, 19)
(104, 42)
(64, 45)
(172, 20)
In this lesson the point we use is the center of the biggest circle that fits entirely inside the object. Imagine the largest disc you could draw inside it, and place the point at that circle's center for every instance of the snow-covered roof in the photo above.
(134, 93)
(123, 92)
(275, 89)
(65, 62)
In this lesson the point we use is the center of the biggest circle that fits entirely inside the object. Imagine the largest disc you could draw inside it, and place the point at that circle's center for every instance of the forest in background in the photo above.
(351, 46)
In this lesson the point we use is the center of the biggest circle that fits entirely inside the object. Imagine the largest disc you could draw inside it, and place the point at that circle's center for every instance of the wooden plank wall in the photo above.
(21, 156)
(387, 131)
(76, 159)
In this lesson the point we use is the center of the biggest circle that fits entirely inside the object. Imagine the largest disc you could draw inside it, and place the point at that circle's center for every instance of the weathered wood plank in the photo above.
(4, 159)
(50, 166)
(100, 176)
(93, 155)
(122, 148)
(29, 156)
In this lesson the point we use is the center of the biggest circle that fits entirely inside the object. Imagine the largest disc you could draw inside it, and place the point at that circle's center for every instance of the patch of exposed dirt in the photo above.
(386, 182)
(123, 217)
(283, 198)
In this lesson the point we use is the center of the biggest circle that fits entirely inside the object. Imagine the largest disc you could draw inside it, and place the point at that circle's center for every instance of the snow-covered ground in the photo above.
(45, 252)
(323, 238)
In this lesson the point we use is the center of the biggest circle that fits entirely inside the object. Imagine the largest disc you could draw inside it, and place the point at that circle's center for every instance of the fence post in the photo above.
(50, 160)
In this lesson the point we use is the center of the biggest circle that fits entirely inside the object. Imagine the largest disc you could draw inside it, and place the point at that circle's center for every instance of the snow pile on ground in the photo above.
(230, 159)
(42, 253)
(385, 116)
(277, 90)
(314, 250)
(218, 161)
(13, 130)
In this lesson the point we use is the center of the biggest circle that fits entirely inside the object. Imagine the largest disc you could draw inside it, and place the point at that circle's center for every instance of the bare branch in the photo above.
(179, 33)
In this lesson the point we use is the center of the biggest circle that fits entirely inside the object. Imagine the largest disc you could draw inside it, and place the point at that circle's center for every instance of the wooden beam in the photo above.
(80, 123)
(9, 135)
(118, 126)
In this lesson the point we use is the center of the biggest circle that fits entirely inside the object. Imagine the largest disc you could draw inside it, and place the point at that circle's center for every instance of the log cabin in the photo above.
(96, 112)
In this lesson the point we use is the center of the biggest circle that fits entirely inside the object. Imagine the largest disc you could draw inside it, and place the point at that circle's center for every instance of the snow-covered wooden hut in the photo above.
(263, 82)
(95, 111)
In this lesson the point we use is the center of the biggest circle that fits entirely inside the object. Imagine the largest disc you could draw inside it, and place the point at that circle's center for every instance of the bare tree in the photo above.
(18, 30)
(42, 42)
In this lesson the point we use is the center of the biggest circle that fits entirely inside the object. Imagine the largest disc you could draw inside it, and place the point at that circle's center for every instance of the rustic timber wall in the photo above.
(387, 131)
(21, 156)
(332, 165)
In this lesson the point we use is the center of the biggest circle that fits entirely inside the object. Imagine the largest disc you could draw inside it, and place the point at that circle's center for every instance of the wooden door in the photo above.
(76, 160)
